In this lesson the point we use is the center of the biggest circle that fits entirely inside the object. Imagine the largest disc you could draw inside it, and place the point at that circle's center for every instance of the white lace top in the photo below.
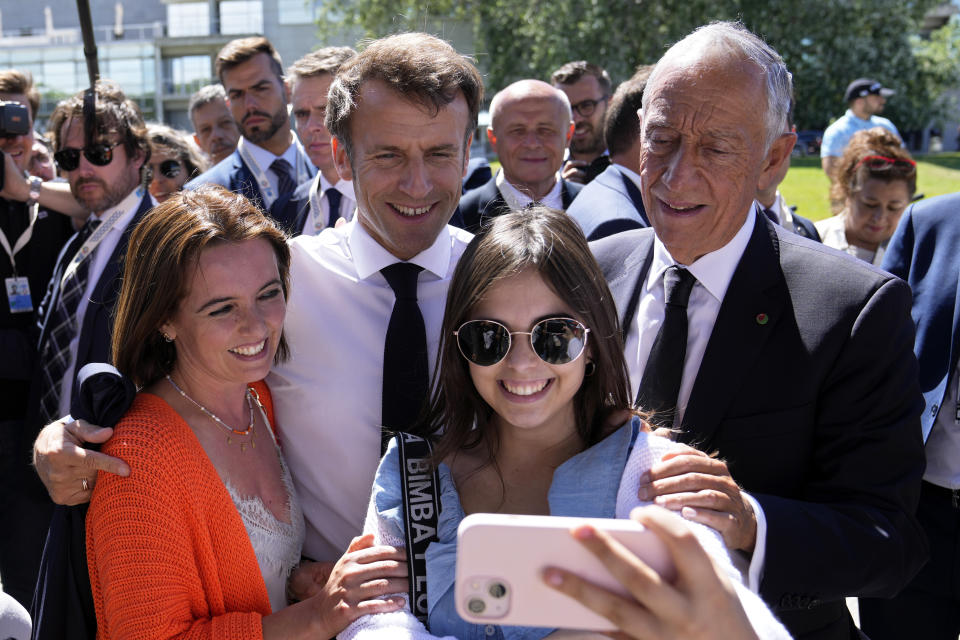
(276, 544)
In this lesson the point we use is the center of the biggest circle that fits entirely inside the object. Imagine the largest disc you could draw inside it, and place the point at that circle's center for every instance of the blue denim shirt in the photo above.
(585, 485)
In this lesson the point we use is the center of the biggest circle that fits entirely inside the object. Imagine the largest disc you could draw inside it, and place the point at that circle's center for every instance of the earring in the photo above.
(590, 369)
(166, 337)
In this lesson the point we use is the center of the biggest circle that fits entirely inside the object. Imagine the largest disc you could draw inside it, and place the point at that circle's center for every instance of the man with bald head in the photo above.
(530, 128)
(794, 364)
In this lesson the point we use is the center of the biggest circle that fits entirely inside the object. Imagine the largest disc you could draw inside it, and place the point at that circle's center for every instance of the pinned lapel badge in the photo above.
(762, 319)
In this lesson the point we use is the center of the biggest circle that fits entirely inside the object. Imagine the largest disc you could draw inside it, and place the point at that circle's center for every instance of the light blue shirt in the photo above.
(585, 485)
(838, 134)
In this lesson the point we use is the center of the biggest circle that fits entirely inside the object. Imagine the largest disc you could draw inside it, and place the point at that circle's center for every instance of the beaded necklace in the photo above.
(251, 397)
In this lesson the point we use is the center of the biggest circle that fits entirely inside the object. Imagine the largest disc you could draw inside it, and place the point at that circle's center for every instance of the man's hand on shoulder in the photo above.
(67, 470)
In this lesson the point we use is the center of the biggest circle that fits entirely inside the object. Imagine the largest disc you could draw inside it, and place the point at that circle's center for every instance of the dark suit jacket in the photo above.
(97, 325)
(923, 251)
(808, 389)
(232, 173)
(803, 227)
(609, 204)
(486, 202)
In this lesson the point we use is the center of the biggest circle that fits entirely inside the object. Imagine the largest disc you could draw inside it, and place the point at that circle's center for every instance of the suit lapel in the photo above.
(748, 316)
(635, 196)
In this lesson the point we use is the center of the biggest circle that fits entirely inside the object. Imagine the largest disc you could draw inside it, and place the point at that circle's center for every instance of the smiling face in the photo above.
(19, 147)
(874, 211)
(215, 129)
(530, 133)
(588, 132)
(162, 187)
(258, 101)
(407, 166)
(702, 155)
(524, 391)
(227, 328)
(309, 99)
(99, 188)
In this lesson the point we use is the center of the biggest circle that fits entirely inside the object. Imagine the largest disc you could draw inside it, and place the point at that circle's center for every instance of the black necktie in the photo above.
(285, 182)
(63, 325)
(660, 385)
(405, 372)
(333, 200)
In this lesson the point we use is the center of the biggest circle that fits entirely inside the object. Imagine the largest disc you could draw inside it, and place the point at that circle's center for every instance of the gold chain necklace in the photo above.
(251, 396)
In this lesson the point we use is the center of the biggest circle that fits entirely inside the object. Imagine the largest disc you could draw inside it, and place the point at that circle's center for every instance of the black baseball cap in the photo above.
(865, 86)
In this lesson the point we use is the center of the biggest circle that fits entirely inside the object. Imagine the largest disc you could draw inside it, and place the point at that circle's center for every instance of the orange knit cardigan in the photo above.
(167, 551)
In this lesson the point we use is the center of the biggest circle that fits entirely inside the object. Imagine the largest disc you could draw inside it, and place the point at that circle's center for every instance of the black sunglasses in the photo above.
(554, 340)
(100, 154)
(169, 168)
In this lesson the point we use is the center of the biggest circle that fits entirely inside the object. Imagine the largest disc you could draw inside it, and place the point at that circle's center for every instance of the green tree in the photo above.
(825, 43)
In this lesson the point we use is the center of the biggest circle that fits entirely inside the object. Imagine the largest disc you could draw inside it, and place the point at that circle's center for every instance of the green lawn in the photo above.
(806, 185)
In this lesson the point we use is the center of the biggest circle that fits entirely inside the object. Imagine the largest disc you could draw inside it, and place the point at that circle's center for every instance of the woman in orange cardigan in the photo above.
(200, 540)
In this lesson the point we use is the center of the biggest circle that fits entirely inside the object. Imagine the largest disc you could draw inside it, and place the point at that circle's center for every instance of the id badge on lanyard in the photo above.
(17, 287)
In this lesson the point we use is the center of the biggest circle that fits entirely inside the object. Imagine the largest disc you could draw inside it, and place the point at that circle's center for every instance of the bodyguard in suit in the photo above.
(320, 202)
(611, 203)
(530, 128)
(269, 162)
(792, 362)
(100, 144)
(923, 251)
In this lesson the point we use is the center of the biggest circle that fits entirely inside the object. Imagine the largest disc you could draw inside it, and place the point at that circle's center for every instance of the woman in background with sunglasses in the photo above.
(173, 161)
(529, 412)
(874, 182)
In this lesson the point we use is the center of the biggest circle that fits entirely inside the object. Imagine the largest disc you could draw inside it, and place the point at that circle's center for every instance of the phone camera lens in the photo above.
(476, 605)
(497, 590)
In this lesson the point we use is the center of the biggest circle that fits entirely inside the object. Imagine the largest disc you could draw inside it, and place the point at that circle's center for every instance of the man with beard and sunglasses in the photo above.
(100, 145)
(269, 161)
(588, 88)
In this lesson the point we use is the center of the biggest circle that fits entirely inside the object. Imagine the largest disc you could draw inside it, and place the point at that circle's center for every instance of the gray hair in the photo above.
(204, 96)
(735, 39)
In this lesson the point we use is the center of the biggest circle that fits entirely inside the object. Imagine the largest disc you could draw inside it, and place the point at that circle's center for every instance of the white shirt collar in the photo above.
(265, 158)
(516, 199)
(369, 256)
(714, 270)
(345, 187)
(634, 177)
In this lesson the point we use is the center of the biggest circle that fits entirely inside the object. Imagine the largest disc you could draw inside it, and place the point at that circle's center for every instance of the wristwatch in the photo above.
(34, 183)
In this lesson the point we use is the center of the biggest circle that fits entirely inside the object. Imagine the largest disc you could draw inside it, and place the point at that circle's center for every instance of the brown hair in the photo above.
(418, 66)
(115, 113)
(621, 125)
(177, 143)
(236, 52)
(849, 174)
(16, 81)
(550, 242)
(325, 60)
(163, 249)
(572, 72)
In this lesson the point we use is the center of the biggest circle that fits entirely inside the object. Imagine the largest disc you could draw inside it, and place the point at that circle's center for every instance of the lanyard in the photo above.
(318, 222)
(266, 189)
(22, 240)
(95, 238)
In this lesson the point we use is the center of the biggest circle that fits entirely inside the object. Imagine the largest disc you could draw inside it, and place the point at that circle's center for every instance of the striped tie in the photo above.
(285, 182)
(63, 325)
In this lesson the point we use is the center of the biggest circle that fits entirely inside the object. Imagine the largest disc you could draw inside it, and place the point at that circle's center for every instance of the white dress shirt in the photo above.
(713, 272)
(348, 203)
(328, 395)
(101, 256)
(517, 199)
(943, 443)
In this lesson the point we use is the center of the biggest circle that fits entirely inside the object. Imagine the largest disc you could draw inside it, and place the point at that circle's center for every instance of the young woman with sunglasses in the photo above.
(872, 185)
(527, 409)
(173, 161)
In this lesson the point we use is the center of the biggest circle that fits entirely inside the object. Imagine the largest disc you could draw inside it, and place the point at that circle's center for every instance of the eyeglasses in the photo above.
(586, 107)
(554, 340)
(168, 168)
(100, 154)
(883, 163)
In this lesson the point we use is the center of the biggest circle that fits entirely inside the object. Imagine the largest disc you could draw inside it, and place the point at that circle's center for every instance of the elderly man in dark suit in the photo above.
(611, 202)
(530, 128)
(923, 251)
(792, 362)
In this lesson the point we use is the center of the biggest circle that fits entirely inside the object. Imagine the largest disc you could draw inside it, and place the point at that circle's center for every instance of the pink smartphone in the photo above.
(500, 563)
